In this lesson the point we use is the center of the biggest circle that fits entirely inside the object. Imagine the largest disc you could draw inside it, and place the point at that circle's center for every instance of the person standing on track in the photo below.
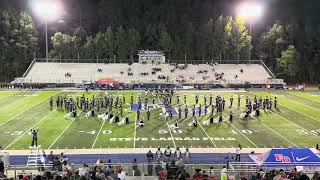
(187, 155)
(177, 153)
(238, 152)
(167, 153)
(158, 154)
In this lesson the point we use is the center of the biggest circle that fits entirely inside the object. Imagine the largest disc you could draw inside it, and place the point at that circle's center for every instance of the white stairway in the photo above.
(34, 156)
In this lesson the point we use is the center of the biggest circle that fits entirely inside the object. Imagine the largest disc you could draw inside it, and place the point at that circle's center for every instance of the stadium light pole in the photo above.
(48, 10)
(250, 12)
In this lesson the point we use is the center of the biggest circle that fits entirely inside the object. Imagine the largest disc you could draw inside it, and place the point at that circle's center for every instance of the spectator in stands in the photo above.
(223, 173)
(1, 166)
(109, 170)
(100, 174)
(62, 157)
(228, 159)
(303, 176)
(56, 166)
(197, 174)
(277, 175)
(149, 156)
(163, 174)
(163, 164)
(172, 170)
(2, 175)
(180, 164)
(211, 172)
(157, 168)
(135, 164)
(183, 175)
(118, 168)
(137, 172)
(316, 176)
(67, 169)
(43, 158)
(77, 177)
(94, 172)
(122, 175)
(84, 171)
(50, 158)
(113, 175)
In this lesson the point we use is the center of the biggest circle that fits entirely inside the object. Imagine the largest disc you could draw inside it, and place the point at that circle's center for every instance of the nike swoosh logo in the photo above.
(301, 159)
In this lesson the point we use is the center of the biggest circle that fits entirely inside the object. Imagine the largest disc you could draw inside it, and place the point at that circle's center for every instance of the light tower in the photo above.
(48, 10)
(250, 12)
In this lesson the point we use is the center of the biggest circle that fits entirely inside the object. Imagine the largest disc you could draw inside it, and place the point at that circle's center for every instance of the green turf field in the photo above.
(295, 124)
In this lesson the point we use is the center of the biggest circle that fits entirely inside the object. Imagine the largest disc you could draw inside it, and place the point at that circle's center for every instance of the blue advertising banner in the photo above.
(290, 156)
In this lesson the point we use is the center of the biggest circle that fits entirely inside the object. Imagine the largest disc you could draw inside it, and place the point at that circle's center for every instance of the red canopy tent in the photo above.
(107, 80)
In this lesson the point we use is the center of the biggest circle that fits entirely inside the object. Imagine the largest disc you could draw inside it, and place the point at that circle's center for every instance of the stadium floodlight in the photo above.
(48, 10)
(250, 12)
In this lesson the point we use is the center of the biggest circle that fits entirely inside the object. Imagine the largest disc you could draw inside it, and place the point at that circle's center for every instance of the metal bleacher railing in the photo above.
(175, 61)
(244, 169)
(144, 168)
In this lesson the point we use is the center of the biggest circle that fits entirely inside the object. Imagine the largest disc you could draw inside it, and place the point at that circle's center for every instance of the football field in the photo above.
(295, 124)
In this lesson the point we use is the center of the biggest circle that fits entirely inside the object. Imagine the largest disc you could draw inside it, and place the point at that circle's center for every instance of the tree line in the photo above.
(223, 38)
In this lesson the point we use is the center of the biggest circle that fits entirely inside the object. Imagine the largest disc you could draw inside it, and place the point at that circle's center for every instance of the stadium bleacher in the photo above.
(54, 72)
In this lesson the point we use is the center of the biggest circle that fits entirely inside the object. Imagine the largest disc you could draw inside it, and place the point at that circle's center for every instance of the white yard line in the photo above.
(298, 102)
(291, 93)
(94, 143)
(276, 133)
(65, 129)
(301, 113)
(296, 124)
(243, 135)
(25, 110)
(29, 129)
(207, 135)
(135, 133)
(174, 143)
